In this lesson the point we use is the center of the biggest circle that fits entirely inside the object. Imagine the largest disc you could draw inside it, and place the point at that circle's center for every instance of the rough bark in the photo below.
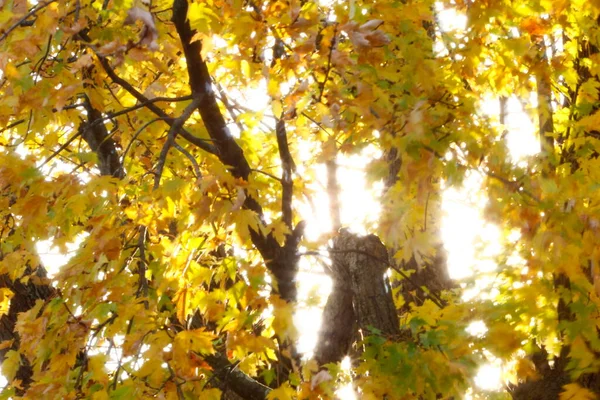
(338, 329)
(427, 281)
(361, 301)
(25, 297)
(235, 383)
(281, 261)
(94, 132)
(552, 379)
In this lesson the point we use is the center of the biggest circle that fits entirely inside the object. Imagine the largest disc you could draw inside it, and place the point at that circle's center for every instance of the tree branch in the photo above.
(283, 264)
(95, 134)
(288, 167)
(235, 379)
(333, 192)
(230, 153)
(23, 21)
(191, 158)
(175, 127)
(201, 143)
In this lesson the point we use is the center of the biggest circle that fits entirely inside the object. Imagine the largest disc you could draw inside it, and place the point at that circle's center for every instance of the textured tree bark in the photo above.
(361, 300)
(25, 297)
(338, 328)
(94, 132)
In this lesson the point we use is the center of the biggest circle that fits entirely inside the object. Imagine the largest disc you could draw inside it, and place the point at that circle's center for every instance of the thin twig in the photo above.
(267, 174)
(316, 123)
(288, 167)
(175, 127)
(190, 157)
(61, 148)
(142, 265)
(12, 125)
(40, 62)
(229, 107)
(202, 143)
(24, 18)
(136, 134)
(143, 104)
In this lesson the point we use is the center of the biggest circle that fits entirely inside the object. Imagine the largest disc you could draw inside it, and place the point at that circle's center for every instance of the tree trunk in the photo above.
(361, 302)
(25, 296)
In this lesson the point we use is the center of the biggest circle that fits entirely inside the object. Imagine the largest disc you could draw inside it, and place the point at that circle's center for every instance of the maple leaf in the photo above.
(573, 391)
(284, 392)
(5, 296)
(11, 364)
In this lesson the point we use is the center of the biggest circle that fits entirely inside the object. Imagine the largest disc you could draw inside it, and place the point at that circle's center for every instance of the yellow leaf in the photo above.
(96, 365)
(590, 122)
(277, 108)
(283, 322)
(84, 61)
(245, 68)
(6, 344)
(197, 340)
(273, 88)
(11, 364)
(575, 392)
(11, 71)
(581, 354)
(5, 296)
(283, 392)
(211, 394)
(149, 367)
(201, 16)
(279, 231)
(504, 338)
(246, 219)
(101, 395)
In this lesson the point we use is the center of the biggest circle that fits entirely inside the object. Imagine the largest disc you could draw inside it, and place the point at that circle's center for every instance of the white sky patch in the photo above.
(52, 258)
(489, 376)
(471, 242)
(450, 19)
(521, 138)
(477, 328)
(346, 392)
(314, 287)
(359, 198)
(464, 231)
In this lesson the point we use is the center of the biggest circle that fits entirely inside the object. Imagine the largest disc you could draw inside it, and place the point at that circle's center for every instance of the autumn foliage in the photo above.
(178, 147)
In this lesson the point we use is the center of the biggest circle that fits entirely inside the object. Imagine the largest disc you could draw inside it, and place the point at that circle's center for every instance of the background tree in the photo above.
(176, 141)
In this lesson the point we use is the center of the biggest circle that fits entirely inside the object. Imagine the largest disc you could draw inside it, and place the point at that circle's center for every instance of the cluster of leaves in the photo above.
(173, 141)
